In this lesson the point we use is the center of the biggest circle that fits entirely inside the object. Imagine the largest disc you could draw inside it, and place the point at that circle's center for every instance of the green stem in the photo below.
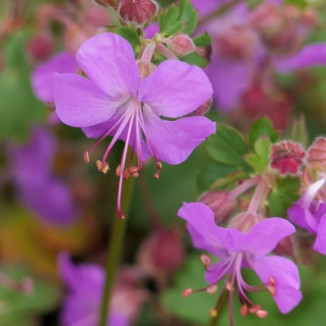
(114, 251)
(219, 308)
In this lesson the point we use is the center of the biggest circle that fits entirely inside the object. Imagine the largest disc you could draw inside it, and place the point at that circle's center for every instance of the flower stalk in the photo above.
(114, 251)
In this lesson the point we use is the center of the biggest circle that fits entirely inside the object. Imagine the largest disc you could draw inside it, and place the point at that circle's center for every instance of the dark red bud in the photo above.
(286, 247)
(220, 203)
(287, 157)
(137, 11)
(162, 252)
(40, 46)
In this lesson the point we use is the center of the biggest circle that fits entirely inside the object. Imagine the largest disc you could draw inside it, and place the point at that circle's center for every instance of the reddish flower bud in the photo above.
(244, 221)
(236, 42)
(220, 203)
(40, 46)
(138, 11)
(286, 247)
(97, 17)
(202, 109)
(317, 154)
(287, 157)
(162, 252)
(181, 44)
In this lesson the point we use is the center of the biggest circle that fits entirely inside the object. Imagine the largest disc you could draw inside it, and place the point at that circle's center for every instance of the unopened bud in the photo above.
(186, 293)
(317, 154)
(287, 157)
(286, 247)
(145, 69)
(40, 47)
(220, 203)
(244, 222)
(138, 12)
(181, 44)
(309, 16)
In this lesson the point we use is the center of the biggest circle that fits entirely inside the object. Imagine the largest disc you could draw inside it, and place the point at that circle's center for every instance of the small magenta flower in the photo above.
(238, 250)
(310, 213)
(37, 187)
(85, 283)
(114, 101)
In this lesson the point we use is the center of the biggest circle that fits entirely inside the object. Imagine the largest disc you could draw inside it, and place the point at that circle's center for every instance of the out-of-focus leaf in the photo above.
(299, 131)
(283, 196)
(195, 59)
(25, 238)
(211, 173)
(203, 39)
(130, 35)
(189, 15)
(21, 309)
(18, 106)
(228, 147)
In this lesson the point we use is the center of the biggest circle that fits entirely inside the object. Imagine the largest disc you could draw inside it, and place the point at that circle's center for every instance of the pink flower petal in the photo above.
(175, 89)
(42, 76)
(173, 141)
(108, 60)
(287, 280)
(79, 103)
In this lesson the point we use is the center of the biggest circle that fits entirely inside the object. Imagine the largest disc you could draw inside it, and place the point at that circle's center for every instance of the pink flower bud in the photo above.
(220, 203)
(244, 221)
(286, 247)
(317, 154)
(137, 11)
(287, 157)
(40, 46)
(162, 252)
(182, 44)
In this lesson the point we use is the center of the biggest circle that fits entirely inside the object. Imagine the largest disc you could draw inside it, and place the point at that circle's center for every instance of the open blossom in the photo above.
(85, 286)
(114, 101)
(238, 250)
(37, 187)
(310, 214)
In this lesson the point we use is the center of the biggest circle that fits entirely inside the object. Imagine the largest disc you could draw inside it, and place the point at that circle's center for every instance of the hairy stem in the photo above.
(114, 252)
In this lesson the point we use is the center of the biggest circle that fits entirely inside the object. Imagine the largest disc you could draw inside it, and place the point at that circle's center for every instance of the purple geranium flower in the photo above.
(115, 101)
(310, 214)
(238, 250)
(85, 285)
(38, 189)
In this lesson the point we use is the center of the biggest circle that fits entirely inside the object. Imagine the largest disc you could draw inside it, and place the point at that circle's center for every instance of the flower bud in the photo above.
(40, 46)
(202, 109)
(244, 221)
(237, 42)
(145, 69)
(287, 157)
(162, 252)
(97, 17)
(317, 154)
(181, 44)
(138, 12)
(220, 203)
(286, 247)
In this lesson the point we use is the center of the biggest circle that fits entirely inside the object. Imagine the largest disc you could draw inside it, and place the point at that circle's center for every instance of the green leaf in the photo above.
(168, 21)
(130, 35)
(203, 39)
(211, 173)
(196, 307)
(19, 108)
(195, 59)
(227, 146)
(260, 160)
(189, 15)
(180, 17)
(21, 309)
(262, 127)
(283, 196)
